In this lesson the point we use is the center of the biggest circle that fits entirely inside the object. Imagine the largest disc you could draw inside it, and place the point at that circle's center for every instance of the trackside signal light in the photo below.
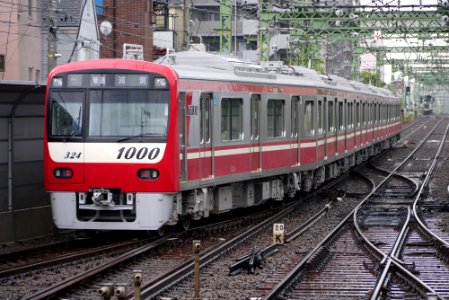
(63, 173)
(148, 174)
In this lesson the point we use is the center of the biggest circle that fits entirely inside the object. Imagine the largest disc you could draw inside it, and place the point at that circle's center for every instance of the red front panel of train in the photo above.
(112, 124)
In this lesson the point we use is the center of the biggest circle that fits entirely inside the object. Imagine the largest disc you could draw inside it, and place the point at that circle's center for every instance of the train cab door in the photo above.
(206, 149)
(183, 134)
(256, 146)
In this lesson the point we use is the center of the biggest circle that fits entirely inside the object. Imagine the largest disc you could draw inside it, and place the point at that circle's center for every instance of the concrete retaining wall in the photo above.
(26, 223)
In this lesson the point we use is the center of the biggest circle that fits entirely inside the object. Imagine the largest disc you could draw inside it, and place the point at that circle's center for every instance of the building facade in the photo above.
(132, 23)
(20, 35)
(76, 31)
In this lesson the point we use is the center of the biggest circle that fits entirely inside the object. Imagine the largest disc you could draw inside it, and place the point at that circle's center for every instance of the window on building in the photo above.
(231, 119)
(206, 13)
(99, 7)
(160, 14)
(30, 8)
(30, 73)
(2, 63)
(275, 118)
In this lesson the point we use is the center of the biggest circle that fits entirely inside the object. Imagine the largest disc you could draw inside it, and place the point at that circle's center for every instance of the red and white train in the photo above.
(136, 145)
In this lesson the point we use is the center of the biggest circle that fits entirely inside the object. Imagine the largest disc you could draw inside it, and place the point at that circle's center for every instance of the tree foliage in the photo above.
(372, 78)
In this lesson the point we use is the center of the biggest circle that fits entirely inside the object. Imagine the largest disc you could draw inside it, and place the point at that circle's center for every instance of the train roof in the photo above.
(208, 66)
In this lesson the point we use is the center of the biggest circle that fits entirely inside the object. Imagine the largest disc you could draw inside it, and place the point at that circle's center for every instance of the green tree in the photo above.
(373, 78)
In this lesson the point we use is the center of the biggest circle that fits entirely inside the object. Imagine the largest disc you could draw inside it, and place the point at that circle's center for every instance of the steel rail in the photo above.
(152, 289)
(300, 268)
(68, 283)
(425, 182)
(393, 257)
(63, 259)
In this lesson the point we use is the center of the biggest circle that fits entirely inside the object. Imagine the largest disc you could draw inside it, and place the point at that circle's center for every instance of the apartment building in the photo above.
(132, 23)
(76, 30)
(20, 35)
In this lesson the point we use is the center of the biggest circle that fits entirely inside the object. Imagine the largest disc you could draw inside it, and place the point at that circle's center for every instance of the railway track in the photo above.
(360, 259)
(314, 216)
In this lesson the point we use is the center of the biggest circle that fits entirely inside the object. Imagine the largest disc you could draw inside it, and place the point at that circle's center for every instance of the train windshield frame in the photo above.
(125, 112)
(66, 113)
(81, 108)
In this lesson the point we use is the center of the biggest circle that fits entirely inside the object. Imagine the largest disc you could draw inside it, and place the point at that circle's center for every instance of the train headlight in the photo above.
(160, 83)
(57, 82)
(148, 174)
(63, 173)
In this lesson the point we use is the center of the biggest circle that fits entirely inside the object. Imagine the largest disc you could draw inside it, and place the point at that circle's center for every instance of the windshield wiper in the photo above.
(74, 133)
(140, 135)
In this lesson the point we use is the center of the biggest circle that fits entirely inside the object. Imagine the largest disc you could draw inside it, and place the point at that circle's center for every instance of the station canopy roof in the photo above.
(21, 98)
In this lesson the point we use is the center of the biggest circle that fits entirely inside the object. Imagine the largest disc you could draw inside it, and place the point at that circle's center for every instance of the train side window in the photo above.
(350, 122)
(341, 125)
(320, 116)
(275, 118)
(363, 121)
(205, 126)
(295, 121)
(379, 117)
(231, 119)
(308, 118)
(255, 118)
(357, 114)
(330, 117)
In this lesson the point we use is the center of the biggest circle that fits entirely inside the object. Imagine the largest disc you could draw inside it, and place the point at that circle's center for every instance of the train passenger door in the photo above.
(309, 144)
(183, 135)
(295, 140)
(206, 150)
(256, 147)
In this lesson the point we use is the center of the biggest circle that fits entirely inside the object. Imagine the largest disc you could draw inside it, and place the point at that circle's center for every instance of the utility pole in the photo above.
(226, 26)
(52, 27)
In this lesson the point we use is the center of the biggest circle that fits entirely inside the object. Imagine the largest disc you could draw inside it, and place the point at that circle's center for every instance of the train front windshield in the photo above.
(108, 112)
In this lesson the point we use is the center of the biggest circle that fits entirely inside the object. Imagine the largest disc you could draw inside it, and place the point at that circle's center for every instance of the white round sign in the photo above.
(106, 27)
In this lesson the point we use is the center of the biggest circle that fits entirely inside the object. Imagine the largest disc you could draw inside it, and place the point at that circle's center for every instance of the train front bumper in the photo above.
(152, 211)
